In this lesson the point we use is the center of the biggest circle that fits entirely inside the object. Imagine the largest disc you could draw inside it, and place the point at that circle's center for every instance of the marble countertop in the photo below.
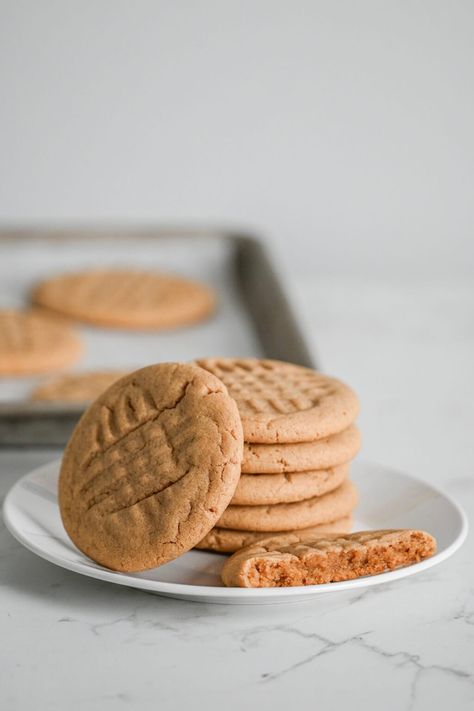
(69, 642)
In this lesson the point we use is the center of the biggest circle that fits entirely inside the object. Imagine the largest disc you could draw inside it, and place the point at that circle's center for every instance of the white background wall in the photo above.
(342, 129)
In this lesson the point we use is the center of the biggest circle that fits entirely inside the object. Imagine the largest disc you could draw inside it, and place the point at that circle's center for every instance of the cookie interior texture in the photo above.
(151, 466)
(126, 298)
(31, 343)
(303, 559)
(282, 402)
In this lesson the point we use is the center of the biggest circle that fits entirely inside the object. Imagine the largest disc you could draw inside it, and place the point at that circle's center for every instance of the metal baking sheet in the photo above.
(253, 317)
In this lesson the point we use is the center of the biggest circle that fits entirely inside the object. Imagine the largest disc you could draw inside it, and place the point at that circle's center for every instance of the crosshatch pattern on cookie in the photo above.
(282, 402)
(151, 466)
(132, 442)
(272, 392)
(140, 457)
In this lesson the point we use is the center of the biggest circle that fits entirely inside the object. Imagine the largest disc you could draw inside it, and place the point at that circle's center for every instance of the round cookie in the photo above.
(320, 454)
(150, 467)
(266, 489)
(288, 517)
(77, 387)
(31, 343)
(282, 402)
(225, 540)
(126, 298)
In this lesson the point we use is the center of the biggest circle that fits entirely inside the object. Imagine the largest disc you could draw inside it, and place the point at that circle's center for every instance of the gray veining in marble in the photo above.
(77, 643)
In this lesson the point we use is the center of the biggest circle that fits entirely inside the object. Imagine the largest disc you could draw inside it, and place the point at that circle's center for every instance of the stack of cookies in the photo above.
(154, 467)
(299, 437)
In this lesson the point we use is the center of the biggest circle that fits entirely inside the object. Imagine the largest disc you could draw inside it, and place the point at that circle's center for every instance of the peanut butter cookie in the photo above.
(126, 299)
(282, 402)
(304, 559)
(151, 466)
(265, 489)
(288, 517)
(31, 343)
(320, 454)
(77, 387)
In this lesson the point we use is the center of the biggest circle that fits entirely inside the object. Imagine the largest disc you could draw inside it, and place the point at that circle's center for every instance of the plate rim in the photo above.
(186, 590)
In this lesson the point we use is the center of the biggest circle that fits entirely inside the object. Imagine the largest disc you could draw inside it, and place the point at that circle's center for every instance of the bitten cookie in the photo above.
(264, 489)
(282, 402)
(225, 540)
(126, 298)
(77, 387)
(303, 559)
(300, 457)
(31, 343)
(288, 517)
(151, 466)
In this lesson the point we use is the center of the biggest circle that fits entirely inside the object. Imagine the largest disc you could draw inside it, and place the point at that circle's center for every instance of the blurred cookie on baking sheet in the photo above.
(31, 343)
(130, 299)
(77, 387)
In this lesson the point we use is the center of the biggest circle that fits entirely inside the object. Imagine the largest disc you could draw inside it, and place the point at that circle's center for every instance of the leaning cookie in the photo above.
(303, 559)
(224, 540)
(150, 467)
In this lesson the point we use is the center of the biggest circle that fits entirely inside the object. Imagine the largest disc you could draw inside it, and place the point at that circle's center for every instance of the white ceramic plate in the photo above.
(388, 499)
